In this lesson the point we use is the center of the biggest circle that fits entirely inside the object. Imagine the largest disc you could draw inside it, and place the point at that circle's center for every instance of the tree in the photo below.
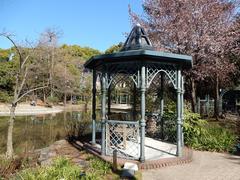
(114, 48)
(49, 40)
(233, 47)
(25, 62)
(196, 28)
(7, 69)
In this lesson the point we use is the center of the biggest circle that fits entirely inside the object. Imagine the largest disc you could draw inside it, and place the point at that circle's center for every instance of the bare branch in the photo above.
(29, 91)
(24, 61)
(23, 81)
(8, 36)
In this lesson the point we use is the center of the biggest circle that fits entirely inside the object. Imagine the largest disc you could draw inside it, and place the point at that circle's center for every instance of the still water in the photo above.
(34, 132)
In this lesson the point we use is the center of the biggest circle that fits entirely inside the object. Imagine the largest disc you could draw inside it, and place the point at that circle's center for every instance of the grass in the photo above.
(63, 168)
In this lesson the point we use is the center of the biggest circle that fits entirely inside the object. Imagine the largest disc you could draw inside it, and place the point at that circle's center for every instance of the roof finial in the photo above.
(137, 39)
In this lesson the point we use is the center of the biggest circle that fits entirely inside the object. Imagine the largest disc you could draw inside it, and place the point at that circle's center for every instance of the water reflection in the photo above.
(34, 132)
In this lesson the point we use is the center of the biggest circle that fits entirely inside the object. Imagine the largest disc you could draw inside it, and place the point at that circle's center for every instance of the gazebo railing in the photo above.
(124, 137)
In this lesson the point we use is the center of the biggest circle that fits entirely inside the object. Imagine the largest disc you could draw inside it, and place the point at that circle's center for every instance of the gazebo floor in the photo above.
(157, 154)
(154, 149)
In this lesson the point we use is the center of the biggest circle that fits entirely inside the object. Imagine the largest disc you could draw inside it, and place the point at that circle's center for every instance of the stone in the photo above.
(131, 166)
(128, 173)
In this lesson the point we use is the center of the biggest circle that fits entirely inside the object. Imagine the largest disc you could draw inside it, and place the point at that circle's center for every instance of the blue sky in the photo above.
(94, 23)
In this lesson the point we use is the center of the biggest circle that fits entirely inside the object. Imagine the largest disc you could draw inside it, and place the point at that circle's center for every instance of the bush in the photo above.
(201, 135)
(4, 97)
(53, 100)
(60, 169)
(97, 168)
(198, 133)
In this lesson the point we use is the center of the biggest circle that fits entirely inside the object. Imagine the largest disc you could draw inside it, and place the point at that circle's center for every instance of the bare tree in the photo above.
(49, 39)
(25, 57)
(194, 27)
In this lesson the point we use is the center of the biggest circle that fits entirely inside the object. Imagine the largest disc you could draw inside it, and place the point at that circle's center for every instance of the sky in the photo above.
(93, 23)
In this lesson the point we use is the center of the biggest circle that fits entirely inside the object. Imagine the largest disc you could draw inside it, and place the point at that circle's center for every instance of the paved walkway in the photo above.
(205, 166)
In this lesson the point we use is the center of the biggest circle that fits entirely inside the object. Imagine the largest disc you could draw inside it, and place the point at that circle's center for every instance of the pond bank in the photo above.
(27, 109)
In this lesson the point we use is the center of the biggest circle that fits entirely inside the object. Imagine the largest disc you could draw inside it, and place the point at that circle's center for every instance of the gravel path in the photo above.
(205, 166)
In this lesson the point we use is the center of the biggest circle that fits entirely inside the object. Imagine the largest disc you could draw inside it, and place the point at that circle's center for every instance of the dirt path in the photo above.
(205, 166)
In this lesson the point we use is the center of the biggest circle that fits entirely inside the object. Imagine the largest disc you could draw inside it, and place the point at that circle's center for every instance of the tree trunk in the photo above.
(193, 94)
(216, 98)
(44, 96)
(65, 98)
(9, 153)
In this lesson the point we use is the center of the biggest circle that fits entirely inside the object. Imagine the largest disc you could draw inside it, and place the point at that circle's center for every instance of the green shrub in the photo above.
(201, 135)
(198, 133)
(53, 100)
(4, 97)
(60, 169)
(98, 167)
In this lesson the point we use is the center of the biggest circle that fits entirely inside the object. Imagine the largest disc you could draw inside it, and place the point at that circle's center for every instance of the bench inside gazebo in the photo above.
(138, 63)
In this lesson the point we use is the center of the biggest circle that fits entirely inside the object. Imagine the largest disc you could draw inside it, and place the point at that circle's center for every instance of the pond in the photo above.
(35, 132)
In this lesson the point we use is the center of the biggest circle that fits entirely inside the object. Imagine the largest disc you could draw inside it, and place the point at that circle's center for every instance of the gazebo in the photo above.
(138, 61)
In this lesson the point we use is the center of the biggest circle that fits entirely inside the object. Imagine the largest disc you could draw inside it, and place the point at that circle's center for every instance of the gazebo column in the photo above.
(182, 110)
(162, 104)
(109, 100)
(134, 102)
(103, 119)
(94, 107)
(179, 110)
(142, 121)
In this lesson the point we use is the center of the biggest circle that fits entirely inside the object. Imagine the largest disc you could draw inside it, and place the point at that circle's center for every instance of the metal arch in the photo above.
(99, 75)
(116, 81)
(170, 73)
(134, 78)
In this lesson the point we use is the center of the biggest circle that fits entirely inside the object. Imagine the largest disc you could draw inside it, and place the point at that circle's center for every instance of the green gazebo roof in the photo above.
(138, 49)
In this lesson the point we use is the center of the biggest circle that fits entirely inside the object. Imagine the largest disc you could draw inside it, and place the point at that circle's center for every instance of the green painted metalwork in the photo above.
(94, 107)
(162, 94)
(103, 119)
(162, 103)
(140, 56)
(134, 102)
(109, 100)
(142, 121)
(182, 109)
(122, 122)
(137, 39)
(142, 64)
(179, 109)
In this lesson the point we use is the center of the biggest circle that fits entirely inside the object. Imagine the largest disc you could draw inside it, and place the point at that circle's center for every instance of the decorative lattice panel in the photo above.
(124, 137)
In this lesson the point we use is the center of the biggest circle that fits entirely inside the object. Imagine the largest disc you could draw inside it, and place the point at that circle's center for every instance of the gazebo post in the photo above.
(162, 94)
(162, 103)
(179, 109)
(142, 121)
(103, 109)
(94, 107)
(109, 100)
(134, 101)
(182, 111)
